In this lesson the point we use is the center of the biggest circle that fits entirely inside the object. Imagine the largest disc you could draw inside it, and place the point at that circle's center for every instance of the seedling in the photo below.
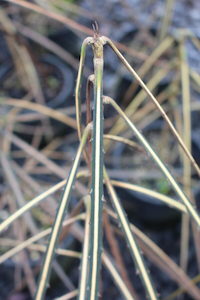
(93, 254)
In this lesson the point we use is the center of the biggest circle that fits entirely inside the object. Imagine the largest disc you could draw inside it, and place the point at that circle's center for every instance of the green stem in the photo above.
(78, 84)
(85, 252)
(45, 273)
(97, 174)
(132, 244)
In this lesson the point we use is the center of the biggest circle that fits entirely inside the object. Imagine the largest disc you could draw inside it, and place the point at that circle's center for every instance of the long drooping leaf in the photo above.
(177, 189)
(163, 198)
(132, 244)
(151, 96)
(162, 260)
(25, 244)
(43, 281)
(29, 205)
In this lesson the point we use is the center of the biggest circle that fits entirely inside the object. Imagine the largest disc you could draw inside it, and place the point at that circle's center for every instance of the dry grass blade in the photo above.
(195, 41)
(123, 140)
(10, 253)
(41, 248)
(164, 262)
(195, 76)
(166, 18)
(137, 101)
(155, 254)
(142, 84)
(73, 25)
(135, 251)
(24, 65)
(187, 174)
(148, 63)
(48, 44)
(116, 277)
(110, 267)
(165, 199)
(63, 19)
(74, 8)
(59, 251)
(191, 210)
(17, 192)
(33, 187)
(41, 109)
(68, 296)
(30, 204)
(37, 155)
(30, 224)
(182, 290)
(117, 256)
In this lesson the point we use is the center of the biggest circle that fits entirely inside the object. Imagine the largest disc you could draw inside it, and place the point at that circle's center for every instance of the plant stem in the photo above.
(85, 252)
(134, 249)
(78, 85)
(185, 82)
(45, 273)
(97, 174)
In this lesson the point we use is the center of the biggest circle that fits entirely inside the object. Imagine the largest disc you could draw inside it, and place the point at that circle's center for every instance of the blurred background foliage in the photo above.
(40, 43)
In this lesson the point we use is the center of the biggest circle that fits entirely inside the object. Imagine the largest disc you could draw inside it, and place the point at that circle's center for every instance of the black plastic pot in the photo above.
(141, 206)
(57, 97)
(145, 208)
(61, 71)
